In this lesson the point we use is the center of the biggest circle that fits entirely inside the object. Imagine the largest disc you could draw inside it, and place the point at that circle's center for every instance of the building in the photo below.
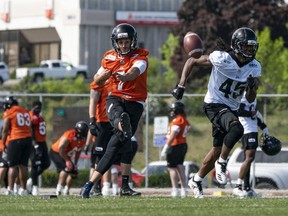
(78, 31)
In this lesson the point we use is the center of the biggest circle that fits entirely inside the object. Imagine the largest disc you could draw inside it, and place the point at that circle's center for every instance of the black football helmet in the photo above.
(177, 108)
(124, 30)
(9, 101)
(270, 145)
(82, 129)
(244, 37)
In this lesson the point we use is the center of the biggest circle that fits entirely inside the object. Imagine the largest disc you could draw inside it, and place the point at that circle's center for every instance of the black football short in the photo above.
(250, 140)
(18, 151)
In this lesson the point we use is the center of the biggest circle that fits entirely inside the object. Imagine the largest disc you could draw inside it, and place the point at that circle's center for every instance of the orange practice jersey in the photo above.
(179, 123)
(101, 105)
(20, 122)
(134, 90)
(38, 127)
(75, 145)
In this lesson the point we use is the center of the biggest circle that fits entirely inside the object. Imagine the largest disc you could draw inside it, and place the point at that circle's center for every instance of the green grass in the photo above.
(148, 206)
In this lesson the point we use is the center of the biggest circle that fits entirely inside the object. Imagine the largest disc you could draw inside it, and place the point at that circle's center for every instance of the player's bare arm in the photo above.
(132, 74)
(189, 64)
(94, 98)
(62, 147)
(101, 76)
(5, 131)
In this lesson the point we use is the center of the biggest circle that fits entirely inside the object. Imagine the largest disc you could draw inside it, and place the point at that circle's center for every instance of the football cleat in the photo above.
(220, 172)
(22, 192)
(237, 191)
(125, 124)
(9, 192)
(174, 193)
(184, 193)
(196, 186)
(251, 193)
(35, 190)
(129, 192)
(85, 191)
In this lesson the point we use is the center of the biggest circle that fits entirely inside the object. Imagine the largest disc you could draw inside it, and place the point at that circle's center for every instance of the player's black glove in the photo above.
(178, 92)
(86, 149)
(93, 127)
(251, 82)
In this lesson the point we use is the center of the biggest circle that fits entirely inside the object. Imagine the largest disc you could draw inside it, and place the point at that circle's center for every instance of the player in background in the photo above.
(3, 163)
(39, 156)
(69, 144)
(101, 128)
(116, 167)
(17, 125)
(175, 148)
(233, 69)
(126, 67)
(251, 119)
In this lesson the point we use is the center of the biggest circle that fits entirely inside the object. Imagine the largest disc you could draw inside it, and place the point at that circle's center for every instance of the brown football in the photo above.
(193, 45)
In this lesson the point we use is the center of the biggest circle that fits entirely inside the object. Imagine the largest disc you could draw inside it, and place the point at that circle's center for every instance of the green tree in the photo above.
(273, 57)
(161, 76)
(213, 19)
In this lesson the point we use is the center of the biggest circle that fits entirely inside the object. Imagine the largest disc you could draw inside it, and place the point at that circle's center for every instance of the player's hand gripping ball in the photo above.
(193, 45)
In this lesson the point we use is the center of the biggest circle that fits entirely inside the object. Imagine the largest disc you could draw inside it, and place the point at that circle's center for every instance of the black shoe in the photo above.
(85, 191)
(96, 192)
(129, 192)
(125, 124)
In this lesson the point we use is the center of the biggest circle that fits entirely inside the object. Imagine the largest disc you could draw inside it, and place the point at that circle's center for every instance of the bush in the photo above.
(50, 178)
(161, 180)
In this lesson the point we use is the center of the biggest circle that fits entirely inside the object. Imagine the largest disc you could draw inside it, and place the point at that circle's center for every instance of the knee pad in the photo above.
(234, 134)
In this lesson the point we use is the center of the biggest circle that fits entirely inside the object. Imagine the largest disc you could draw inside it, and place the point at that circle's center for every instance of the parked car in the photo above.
(160, 167)
(271, 172)
(52, 69)
(4, 72)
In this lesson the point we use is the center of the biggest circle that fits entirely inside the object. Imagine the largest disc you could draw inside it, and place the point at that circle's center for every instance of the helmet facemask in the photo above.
(244, 43)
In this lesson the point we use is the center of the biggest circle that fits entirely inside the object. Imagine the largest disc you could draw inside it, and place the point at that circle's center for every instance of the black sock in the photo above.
(125, 181)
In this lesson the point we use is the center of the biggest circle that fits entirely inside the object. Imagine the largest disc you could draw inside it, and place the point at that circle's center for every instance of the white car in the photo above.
(271, 172)
(160, 167)
(4, 72)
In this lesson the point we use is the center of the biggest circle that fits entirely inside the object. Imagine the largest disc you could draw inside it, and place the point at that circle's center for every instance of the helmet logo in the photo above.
(122, 35)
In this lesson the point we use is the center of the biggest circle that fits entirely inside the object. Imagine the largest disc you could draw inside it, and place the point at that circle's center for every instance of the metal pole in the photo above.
(147, 143)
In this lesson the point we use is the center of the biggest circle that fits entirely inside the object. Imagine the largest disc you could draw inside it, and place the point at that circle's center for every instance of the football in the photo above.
(193, 45)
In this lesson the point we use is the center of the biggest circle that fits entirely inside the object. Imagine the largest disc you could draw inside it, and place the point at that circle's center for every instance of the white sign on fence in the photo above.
(160, 130)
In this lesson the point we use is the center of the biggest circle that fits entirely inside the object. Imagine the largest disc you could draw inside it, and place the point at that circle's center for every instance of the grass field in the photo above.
(148, 206)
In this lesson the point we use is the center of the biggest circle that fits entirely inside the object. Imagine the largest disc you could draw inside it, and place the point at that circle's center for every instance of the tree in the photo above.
(212, 19)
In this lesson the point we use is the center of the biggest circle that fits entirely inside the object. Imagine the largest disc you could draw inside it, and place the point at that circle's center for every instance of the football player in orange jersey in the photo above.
(39, 156)
(17, 124)
(69, 144)
(175, 148)
(126, 66)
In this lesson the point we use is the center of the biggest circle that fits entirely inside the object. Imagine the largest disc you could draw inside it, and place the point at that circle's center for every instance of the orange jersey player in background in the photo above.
(126, 68)
(39, 155)
(69, 144)
(17, 124)
(175, 148)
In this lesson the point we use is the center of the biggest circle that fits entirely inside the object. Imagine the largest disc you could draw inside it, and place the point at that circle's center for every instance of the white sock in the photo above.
(59, 187)
(239, 181)
(106, 185)
(197, 177)
(221, 160)
(115, 189)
